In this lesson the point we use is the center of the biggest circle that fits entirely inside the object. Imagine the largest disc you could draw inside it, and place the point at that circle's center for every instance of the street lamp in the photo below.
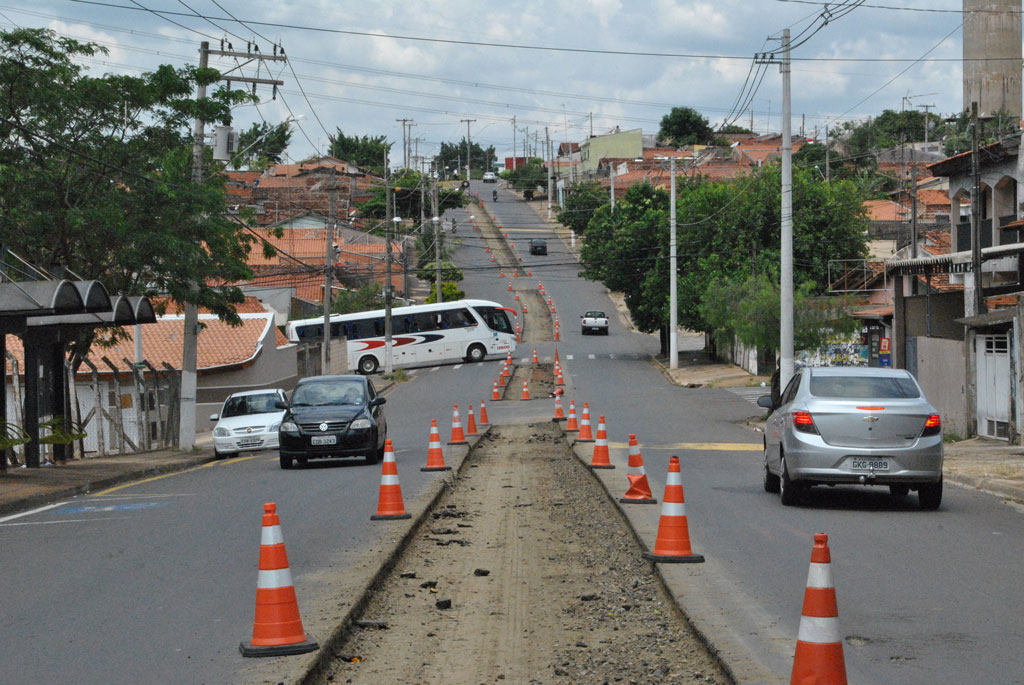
(437, 255)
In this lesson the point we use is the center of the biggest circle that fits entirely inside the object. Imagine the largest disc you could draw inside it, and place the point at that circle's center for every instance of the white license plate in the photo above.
(247, 442)
(323, 440)
(875, 464)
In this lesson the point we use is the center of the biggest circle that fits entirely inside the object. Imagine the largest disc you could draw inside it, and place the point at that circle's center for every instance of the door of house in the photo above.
(993, 383)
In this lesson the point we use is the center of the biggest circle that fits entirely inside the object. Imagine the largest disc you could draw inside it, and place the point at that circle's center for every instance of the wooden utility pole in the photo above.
(190, 335)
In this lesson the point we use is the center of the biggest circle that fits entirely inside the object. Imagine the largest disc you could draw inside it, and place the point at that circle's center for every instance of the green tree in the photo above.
(957, 131)
(365, 151)
(733, 128)
(407, 185)
(582, 200)
(685, 126)
(451, 292)
(453, 156)
(96, 174)
(262, 145)
(363, 299)
(529, 176)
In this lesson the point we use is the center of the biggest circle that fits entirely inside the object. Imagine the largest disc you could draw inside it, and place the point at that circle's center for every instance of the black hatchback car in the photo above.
(332, 416)
(538, 246)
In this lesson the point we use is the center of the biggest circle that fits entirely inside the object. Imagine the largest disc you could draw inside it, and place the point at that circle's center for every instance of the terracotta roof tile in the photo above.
(252, 305)
(884, 210)
(1002, 301)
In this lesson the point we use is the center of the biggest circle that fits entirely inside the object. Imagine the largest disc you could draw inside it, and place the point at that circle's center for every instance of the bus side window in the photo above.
(459, 318)
(426, 322)
(336, 329)
(378, 326)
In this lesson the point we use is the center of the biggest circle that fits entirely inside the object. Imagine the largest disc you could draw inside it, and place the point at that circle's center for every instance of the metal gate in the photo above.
(993, 383)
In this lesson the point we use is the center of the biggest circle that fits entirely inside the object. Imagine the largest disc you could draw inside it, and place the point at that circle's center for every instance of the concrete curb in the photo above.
(101, 484)
(987, 485)
(323, 657)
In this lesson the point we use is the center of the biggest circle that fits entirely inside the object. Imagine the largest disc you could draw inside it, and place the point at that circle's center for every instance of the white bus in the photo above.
(421, 335)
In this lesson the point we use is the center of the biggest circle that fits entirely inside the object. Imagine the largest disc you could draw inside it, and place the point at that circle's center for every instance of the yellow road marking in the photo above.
(175, 473)
(698, 446)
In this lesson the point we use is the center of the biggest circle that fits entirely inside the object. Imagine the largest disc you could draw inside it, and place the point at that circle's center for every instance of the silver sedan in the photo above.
(853, 425)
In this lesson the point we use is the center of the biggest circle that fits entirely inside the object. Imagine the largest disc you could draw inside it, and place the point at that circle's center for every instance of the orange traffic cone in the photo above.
(525, 311)
(558, 338)
(487, 249)
(501, 274)
(492, 258)
(556, 355)
(277, 627)
(529, 273)
(504, 375)
(586, 434)
(389, 502)
(515, 273)
(819, 647)
(639, 491)
(458, 437)
(484, 421)
(526, 391)
(435, 455)
(534, 360)
(600, 458)
(495, 394)
(559, 412)
(471, 422)
(509, 283)
(673, 542)
(559, 379)
(572, 426)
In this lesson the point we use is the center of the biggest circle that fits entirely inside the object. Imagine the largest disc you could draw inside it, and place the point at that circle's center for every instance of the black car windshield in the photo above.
(495, 319)
(863, 387)
(594, 315)
(329, 392)
(244, 405)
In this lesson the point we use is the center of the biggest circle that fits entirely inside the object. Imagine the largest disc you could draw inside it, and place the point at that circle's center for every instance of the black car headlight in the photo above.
(289, 427)
(361, 424)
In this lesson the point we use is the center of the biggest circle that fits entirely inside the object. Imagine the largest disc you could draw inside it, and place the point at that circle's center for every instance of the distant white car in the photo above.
(490, 177)
(248, 421)
(594, 322)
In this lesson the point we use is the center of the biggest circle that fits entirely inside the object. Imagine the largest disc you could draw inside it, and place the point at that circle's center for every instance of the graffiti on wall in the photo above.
(845, 350)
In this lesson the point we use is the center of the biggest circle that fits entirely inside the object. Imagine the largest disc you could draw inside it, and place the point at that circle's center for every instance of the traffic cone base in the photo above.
(639, 491)
(644, 500)
(389, 502)
(819, 644)
(277, 627)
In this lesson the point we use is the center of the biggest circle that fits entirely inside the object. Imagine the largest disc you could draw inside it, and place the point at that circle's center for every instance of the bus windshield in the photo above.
(495, 319)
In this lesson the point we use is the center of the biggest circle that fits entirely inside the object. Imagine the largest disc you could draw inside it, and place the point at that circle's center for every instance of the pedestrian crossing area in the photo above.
(750, 394)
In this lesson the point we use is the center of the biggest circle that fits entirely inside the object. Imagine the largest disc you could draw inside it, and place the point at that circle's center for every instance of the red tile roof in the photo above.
(252, 305)
(1002, 301)
(885, 210)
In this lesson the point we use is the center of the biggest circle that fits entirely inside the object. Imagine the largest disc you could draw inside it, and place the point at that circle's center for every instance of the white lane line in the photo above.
(611, 356)
(479, 363)
(525, 360)
(31, 511)
(569, 357)
(412, 371)
(435, 369)
(590, 356)
(45, 523)
(118, 497)
(457, 366)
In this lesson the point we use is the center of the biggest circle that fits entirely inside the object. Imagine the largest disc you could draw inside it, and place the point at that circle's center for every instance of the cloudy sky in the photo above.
(361, 65)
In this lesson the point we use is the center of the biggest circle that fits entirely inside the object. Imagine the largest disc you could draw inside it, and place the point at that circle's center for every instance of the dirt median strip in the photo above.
(523, 572)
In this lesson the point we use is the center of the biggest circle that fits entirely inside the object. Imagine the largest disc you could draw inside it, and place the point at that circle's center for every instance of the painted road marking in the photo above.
(46, 523)
(122, 497)
(569, 357)
(698, 446)
(31, 511)
(436, 368)
(457, 366)
(479, 363)
(590, 356)
(150, 480)
(107, 508)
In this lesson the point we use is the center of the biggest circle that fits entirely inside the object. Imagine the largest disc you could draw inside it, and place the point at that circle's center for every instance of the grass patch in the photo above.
(396, 376)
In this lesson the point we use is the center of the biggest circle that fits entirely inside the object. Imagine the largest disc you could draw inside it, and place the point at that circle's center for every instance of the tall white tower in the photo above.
(992, 56)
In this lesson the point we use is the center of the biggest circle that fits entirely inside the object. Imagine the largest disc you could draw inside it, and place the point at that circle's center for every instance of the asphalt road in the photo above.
(155, 582)
(924, 597)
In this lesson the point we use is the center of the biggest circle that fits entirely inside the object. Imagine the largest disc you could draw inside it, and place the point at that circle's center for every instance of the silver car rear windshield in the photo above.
(863, 387)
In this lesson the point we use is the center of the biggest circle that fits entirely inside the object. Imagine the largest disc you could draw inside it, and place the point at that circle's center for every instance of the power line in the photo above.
(542, 48)
(933, 10)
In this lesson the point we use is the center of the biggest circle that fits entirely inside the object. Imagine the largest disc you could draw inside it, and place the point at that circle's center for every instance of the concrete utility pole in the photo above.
(332, 188)
(786, 252)
(673, 314)
(405, 144)
(389, 217)
(468, 148)
(190, 334)
(979, 297)
(551, 166)
(827, 170)
(515, 152)
(926, 122)
(437, 240)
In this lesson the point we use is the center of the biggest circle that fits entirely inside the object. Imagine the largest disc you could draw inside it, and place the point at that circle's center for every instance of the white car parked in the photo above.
(490, 177)
(248, 421)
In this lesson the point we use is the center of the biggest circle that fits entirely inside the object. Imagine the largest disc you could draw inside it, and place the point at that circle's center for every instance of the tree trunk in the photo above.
(663, 341)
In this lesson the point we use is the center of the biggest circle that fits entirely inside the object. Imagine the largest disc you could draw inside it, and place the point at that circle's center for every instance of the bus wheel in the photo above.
(476, 353)
(368, 365)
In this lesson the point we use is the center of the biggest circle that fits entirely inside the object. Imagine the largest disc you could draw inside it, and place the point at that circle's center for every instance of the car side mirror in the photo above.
(766, 402)
(280, 405)
(377, 401)
(214, 417)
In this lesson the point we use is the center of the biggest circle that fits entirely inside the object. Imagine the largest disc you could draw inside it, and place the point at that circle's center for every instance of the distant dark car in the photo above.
(538, 246)
(332, 416)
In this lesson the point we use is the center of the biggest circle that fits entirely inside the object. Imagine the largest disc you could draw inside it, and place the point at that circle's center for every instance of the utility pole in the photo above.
(468, 148)
(515, 152)
(827, 170)
(551, 166)
(979, 297)
(405, 145)
(786, 256)
(436, 220)
(673, 323)
(325, 345)
(926, 121)
(190, 334)
(388, 362)
(591, 124)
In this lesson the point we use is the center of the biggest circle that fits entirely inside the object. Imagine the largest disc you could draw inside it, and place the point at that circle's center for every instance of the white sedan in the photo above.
(248, 421)
(594, 322)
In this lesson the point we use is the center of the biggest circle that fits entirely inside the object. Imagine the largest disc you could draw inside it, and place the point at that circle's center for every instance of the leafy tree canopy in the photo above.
(582, 200)
(453, 156)
(685, 126)
(96, 174)
(262, 145)
(365, 151)
(530, 175)
(407, 187)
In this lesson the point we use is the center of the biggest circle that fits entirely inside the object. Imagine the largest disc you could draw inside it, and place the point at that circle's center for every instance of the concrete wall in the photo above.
(993, 32)
(945, 308)
(624, 144)
(942, 374)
